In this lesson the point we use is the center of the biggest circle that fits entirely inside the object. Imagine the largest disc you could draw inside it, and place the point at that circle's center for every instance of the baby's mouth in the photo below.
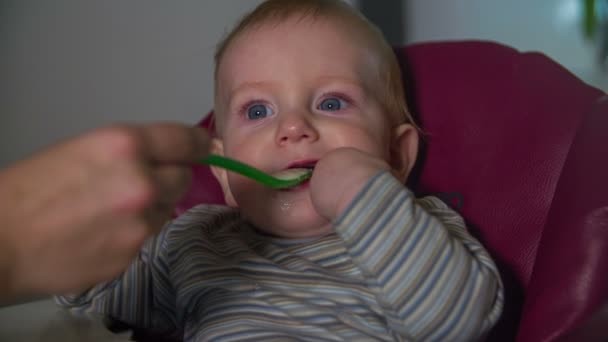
(308, 165)
(296, 170)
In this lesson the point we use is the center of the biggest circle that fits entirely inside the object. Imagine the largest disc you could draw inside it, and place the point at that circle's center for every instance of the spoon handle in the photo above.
(251, 172)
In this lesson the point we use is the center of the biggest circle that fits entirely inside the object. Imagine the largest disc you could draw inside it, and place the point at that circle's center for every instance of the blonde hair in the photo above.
(391, 96)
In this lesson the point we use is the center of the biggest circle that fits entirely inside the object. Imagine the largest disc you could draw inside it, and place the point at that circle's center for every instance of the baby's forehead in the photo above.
(351, 32)
(290, 39)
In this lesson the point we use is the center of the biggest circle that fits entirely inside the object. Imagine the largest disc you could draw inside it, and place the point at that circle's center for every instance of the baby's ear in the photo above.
(404, 150)
(217, 147)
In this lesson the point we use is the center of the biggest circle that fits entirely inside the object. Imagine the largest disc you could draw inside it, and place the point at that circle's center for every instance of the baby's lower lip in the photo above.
(302, 186)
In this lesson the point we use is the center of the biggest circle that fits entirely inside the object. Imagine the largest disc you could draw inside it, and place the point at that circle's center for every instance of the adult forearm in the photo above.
(7, 289)
(15, 221)
(10, 291)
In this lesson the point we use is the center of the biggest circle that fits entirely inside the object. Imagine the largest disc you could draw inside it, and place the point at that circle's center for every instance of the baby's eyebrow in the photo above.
(341, 79)
(231, 96)
(249, 86)
(357, 87)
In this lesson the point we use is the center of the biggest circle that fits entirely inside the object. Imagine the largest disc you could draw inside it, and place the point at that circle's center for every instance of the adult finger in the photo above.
(174, 143)
(157, 216)
(172, 181)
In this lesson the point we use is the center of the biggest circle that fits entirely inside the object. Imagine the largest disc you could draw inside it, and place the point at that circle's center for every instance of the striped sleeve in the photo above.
(434, 281)
(141, 296)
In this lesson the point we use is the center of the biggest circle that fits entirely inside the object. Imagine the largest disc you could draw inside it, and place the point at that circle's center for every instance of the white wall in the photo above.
(550, 26)
(70, 65)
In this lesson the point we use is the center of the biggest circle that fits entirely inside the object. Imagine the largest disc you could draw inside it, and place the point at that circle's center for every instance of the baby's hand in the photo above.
(339, 176)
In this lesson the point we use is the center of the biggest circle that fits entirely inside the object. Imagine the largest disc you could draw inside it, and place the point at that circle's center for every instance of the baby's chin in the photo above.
(285, 214)
(298, 223)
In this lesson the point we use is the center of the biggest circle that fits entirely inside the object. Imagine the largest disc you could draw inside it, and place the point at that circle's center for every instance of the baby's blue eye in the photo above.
(331, 104)
(258, 111)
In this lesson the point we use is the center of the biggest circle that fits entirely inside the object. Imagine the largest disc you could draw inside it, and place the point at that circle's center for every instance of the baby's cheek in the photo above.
(367, 138)
(249, 149)
(240, 186)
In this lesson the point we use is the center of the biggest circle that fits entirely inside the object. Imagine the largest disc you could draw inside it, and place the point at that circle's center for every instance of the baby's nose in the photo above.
(295, 128)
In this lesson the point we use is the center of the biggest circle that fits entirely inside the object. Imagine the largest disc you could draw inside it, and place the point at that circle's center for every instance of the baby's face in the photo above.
(287, 95)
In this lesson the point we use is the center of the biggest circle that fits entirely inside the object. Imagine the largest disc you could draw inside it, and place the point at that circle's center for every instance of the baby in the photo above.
(351, 255)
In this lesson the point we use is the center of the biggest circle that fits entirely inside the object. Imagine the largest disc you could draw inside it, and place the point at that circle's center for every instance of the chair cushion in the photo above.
(569, 282)
(500, 124)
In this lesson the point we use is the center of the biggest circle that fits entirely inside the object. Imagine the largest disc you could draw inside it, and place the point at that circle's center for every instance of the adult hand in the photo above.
(77, 213)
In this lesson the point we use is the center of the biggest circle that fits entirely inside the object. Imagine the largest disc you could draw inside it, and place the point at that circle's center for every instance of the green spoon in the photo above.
(281, 180)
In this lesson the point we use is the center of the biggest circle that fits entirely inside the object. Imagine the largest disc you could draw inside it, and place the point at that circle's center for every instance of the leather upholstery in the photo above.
(524, 144)
(571, 267)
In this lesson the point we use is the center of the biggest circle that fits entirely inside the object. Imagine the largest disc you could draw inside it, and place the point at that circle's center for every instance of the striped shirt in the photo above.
(397, 268)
